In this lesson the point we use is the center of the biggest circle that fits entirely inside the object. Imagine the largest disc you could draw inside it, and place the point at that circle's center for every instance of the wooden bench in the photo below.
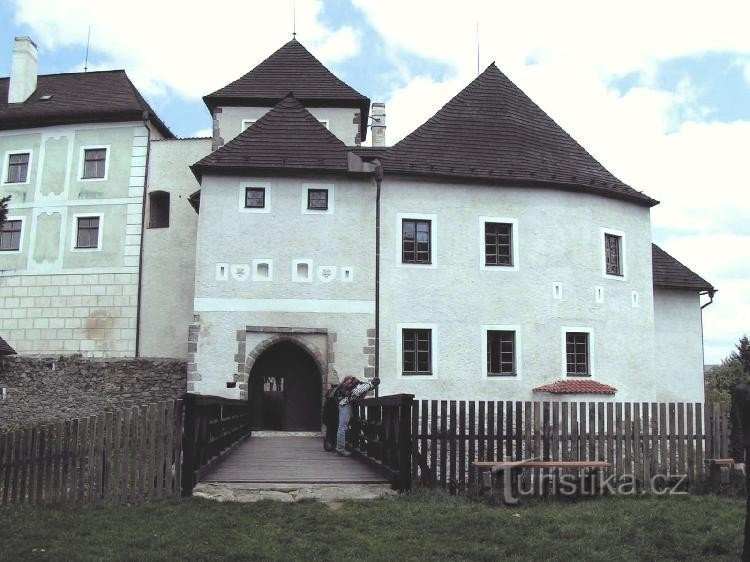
(516, 466)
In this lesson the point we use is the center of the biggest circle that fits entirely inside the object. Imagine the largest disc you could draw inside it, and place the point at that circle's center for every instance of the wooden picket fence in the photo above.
(129, 455)
(640, 439)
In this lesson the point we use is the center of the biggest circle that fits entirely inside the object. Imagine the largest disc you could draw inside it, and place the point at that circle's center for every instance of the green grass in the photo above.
(416, 527)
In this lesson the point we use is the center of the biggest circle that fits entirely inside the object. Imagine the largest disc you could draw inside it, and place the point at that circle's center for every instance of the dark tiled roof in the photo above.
(370, 152)
(5, 349)
(492, 131)
(78, 97)
(288, 137)
(671, 274)
(292, 68)
(576, 386)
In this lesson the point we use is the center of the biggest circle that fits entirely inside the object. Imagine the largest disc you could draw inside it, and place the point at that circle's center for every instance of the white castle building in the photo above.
(486, 255)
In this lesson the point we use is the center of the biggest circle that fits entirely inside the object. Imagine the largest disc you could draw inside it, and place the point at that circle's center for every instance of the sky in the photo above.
(658, 92)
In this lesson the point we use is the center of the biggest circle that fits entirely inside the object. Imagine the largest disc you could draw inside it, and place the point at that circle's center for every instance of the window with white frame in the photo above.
(498, 244)
(577, 354)
(416, 238)
(416, 351)
(10, 235)
(247, 123)
(255, 197)
(318, 199)
(94, 163)
(613, 254)
(18, 167)
(501, 353)
(87, 233)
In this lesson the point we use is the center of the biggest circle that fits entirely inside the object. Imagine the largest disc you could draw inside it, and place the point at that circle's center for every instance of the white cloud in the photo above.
(174, 45)
(565, 56)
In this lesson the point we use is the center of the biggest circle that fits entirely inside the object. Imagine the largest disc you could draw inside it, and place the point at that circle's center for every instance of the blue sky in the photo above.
(663, 101)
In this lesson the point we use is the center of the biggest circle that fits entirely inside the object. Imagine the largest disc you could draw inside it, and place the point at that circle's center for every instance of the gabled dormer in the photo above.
(292, 68)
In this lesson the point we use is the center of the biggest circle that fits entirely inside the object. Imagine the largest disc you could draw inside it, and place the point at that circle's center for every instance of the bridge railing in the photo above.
(213, 426)
(381, 433)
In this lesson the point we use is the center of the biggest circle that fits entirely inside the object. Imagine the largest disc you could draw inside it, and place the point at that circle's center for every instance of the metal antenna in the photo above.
(477, 46)
(294, 19)
(88, 42)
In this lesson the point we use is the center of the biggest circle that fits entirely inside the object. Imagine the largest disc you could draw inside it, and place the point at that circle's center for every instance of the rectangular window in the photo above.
(577, 353)
(87, 235)
(18, 168)
(94, 163)
(417, 352)
(10, 236)
(255, 197)
(612, 252)
(498, 239)
(317, 199)
(501, 353)
(415, 241)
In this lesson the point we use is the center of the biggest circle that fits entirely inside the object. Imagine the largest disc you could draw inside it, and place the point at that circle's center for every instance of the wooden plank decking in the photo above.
(291, 459)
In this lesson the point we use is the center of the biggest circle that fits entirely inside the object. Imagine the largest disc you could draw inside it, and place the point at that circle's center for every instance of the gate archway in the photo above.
(285, 384)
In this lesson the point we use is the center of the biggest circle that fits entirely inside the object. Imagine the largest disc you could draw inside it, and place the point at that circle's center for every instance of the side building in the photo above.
(75, 149)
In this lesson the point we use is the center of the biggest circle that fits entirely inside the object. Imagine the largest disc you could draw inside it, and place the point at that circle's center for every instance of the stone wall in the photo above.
(44, 389)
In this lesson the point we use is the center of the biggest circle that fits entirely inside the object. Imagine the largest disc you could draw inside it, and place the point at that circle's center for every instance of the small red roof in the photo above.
(576, 386)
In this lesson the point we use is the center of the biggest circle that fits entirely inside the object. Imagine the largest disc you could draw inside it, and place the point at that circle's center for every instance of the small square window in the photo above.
(255, 197)
(18, 167)
(317, 199)
(577, 353)
(416, 352)
(94, 163)
(415, 241)
(498, 244)
(87, 235)
(613, 254)
(501, 353)
(10, 236)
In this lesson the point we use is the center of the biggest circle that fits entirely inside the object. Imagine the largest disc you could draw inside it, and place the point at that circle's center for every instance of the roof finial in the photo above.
(86, 61)
(294, 19)
(477, 46)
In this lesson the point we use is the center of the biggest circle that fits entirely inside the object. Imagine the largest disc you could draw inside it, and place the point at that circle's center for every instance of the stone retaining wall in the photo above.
(44, 389)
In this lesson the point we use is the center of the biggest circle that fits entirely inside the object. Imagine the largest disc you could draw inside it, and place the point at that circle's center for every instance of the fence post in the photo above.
(405, 444)
(188, 445)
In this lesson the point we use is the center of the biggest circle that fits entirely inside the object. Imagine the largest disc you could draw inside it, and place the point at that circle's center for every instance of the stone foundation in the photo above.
(45, 389)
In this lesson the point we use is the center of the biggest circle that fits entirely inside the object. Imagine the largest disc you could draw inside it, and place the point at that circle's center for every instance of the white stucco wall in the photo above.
(559, 239)
(169, 253)
(231, 236)
(679, 345)
(55, 298)
(342, 122)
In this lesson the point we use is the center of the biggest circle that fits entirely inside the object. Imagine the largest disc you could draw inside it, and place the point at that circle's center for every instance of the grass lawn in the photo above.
(422, 526)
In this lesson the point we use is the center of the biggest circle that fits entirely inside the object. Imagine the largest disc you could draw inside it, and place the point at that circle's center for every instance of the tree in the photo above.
(720, 380)
(4, 209)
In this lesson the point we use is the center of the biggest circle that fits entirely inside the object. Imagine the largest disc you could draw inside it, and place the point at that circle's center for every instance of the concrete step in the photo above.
(289, 492)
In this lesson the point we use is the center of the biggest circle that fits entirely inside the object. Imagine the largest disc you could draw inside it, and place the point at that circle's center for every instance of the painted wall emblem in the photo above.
(327, 273)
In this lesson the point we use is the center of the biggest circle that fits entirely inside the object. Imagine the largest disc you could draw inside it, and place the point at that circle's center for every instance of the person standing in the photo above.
(349, 391)
(739, 443)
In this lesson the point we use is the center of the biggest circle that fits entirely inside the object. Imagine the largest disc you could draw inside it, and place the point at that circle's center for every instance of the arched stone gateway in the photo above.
(285, 381)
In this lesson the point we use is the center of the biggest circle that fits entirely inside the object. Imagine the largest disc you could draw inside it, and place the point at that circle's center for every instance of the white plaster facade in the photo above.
(169, 252)
(54, 297)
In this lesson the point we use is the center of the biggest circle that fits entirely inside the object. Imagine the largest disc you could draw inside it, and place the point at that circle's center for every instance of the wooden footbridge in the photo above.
(220, 447)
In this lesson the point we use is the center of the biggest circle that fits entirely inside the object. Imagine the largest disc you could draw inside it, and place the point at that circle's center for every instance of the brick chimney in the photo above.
(23, 70)
(378, 124)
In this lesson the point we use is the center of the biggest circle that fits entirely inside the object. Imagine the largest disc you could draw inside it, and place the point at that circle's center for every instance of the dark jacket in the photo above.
(739, 436)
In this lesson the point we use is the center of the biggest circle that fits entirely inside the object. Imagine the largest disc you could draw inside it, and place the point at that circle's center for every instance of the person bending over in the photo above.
(348, 392)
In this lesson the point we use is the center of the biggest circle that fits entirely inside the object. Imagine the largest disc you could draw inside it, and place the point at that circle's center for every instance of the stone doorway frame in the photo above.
(245, 361)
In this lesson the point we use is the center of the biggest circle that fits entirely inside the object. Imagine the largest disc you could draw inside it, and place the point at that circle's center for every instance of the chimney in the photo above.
(378, 124)
(23, 70)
